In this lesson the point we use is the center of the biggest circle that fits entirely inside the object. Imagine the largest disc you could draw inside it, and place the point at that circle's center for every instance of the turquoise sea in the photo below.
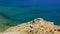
(13, 12)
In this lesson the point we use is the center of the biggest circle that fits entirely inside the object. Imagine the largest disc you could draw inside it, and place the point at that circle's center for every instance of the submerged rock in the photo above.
(37, 26)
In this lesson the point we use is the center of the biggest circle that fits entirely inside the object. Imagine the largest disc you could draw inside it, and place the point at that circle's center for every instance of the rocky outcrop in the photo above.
(37, 26)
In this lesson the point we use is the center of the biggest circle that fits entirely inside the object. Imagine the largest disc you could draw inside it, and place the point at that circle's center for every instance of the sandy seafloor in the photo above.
(19, 11)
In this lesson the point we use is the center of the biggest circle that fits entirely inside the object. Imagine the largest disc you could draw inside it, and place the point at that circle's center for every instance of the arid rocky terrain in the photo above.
(37, 26)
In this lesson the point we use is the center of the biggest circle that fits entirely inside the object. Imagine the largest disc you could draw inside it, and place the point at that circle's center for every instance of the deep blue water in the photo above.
(27, 10)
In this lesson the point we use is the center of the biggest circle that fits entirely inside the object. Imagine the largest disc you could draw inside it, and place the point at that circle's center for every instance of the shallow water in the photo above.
(23, 11)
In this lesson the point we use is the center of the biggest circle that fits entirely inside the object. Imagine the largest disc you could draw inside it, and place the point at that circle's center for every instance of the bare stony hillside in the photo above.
(37, 26)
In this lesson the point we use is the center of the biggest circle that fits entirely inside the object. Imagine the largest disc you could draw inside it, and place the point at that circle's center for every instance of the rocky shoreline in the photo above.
(37, 26)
